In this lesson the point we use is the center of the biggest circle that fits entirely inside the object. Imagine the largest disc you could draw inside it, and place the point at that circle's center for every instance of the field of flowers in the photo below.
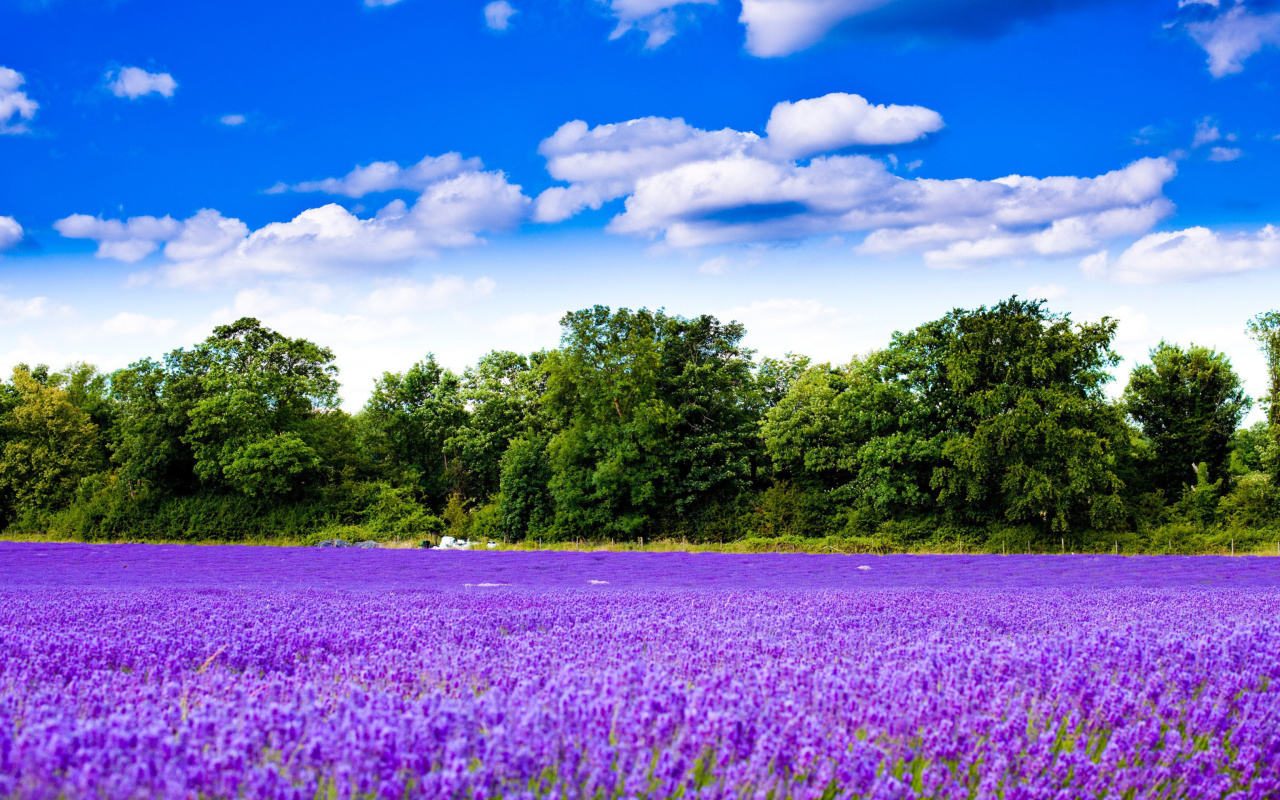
(137, 671)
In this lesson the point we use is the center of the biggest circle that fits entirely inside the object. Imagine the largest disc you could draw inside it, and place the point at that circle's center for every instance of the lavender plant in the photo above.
(136, 671)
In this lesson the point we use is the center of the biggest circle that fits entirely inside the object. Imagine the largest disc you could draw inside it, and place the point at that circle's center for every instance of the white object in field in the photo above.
(450, 543)
(491, 545)
(864, 566)
(597, 582)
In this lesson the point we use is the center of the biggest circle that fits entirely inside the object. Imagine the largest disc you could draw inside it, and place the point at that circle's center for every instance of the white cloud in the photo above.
(15, 311)
(135, 82)
(10, 232)
(14, 103)
(128, 324)
(1206, 132)
(376, 3)
(131, 240)
(1191, 253)
(689, 187)
(385, 176)
(498, 14)
(840, 120)
(209, 248)
(606, 162)
(781, 27)
(1234, 35)
(1224, 153)
(232, 120)
(657, 19)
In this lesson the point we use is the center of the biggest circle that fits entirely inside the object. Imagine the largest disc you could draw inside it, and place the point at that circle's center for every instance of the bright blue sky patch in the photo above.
(395, 177)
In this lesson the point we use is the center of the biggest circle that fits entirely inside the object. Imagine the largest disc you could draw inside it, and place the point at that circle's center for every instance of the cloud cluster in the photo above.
(14, 103)
(450, 212)
(1230, 36)
(689, 187)
(1188, 254)
(135, 82)
(608, 161)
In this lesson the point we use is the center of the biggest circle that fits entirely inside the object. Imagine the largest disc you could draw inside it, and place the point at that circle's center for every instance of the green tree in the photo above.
(409, 420)
(524, 501)
(654, 416)
(254, 392)
(990, 415)
(502, 391)
(1265, 330)
(1189, 403)
(50, 445)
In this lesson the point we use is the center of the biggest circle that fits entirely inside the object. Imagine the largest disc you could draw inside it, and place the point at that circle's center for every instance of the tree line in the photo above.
(989, 426)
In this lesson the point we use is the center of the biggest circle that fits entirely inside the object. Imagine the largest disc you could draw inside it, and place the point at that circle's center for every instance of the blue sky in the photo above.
(417, 176)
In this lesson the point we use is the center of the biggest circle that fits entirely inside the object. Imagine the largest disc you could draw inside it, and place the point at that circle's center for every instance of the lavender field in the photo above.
(147, 671)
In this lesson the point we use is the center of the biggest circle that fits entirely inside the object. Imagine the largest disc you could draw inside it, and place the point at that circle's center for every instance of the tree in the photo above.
(995, 414)
(1265, 330)
(50, 445)
(502, 391)
(249, 394)
(1033, 437)
(654, 419)
(1189, 404)
(409, 421)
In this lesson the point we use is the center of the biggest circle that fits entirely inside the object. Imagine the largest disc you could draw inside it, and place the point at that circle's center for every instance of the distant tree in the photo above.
(524, 501)
(994, 414)
(1189, 404)
(409, 420)
(50, 445)
(250, 394)
(654, 419)
(502, 391)
(1265, 330)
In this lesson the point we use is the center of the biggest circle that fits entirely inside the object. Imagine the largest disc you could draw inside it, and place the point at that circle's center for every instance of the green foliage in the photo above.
(653, 417)
(395, 515)
(1189, 404)
(524, 503)
(984, 431)
(50, 445)
(408, 422)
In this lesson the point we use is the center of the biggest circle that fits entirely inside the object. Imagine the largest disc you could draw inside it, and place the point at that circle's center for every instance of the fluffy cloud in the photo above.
(1191, 253)
(1224, 153)
(385, 176)
(130, 240)
(1231, 36)
(689, 187)
(839, 120)
(232, 120)
(781, 27)
(498, 14)
(208, 247)
(135, 82)
(14, 103)
(606, 162)
(129, 324)
(10, 232)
